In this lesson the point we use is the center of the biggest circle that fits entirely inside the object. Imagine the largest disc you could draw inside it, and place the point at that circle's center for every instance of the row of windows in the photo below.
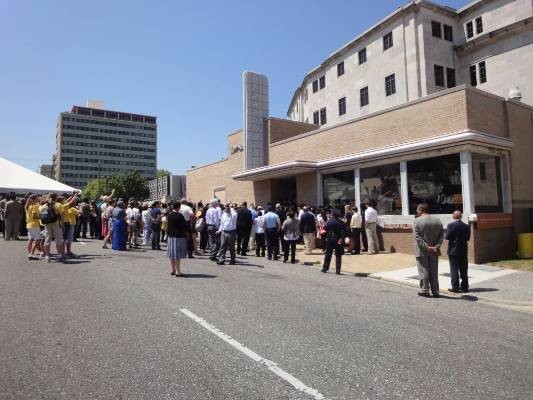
(437, 31)
(108, 146)
(88, 168)
(439, 76)
(482, 73)
(107, 153)
(320, 83)
(470, 27)
(111, 131)
(86, 176)
(320, 117)
(112, 162)
(107, 139)
(97, 122)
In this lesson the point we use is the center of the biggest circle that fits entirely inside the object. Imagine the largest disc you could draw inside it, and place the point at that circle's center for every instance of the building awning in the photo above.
(295, 167)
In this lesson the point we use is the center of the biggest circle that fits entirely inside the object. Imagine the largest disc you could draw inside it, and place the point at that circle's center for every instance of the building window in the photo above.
(390, 85)
(439, 75)
(479, 25)
(342, 106)
(362, 56)
(436, 181)
(469, 30)
(340, 68)
(363, 96)
(322, 82)
(450, 77)
(448, 33)
(316, 119)
(315, 86)
(381, 185)
(436, 29)
(486, 171)
(387, 41)
(473, 75)
(482, 72)
(306, 96)
(339, 189)
(323, 119)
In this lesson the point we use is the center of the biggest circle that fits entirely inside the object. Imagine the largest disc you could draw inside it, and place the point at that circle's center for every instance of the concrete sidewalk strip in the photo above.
(476, 274)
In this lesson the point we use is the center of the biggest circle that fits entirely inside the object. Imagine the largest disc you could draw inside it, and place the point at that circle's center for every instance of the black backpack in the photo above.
(48, 214)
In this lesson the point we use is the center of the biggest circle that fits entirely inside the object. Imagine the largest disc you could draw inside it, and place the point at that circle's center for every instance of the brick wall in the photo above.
(281, 129)
(432, 116)
(306, 189)
(486, 112)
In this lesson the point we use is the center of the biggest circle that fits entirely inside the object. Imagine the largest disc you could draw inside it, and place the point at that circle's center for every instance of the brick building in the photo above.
(456, 148)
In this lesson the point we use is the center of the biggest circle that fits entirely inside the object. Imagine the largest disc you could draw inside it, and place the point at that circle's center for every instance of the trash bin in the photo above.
(525, 245)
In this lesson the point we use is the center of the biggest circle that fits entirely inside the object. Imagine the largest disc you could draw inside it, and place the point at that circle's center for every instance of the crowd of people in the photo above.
(216, 229)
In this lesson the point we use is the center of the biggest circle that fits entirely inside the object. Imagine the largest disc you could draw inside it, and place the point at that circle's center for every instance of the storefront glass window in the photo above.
(339, 189)
(436, 181)
(486, 173)
(382, 186)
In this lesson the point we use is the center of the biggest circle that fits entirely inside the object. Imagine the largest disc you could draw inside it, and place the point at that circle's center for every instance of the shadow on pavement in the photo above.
(246, 264)
(481, 290)
(198, 276)
(464, 297)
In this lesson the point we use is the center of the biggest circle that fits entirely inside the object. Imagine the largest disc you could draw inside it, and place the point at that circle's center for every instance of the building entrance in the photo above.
(283, 191)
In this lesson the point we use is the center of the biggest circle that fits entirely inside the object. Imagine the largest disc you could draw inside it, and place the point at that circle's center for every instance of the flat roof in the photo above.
(110, 114)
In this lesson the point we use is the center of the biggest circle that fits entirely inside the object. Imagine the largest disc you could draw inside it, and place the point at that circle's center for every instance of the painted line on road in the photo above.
(272, 366)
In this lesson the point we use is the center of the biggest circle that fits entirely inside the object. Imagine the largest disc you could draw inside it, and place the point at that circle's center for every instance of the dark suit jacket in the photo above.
(458, 235)
(244, 219)
(307, 223)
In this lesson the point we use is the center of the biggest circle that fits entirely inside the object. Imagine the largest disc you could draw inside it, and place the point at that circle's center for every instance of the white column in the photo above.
(507, 196)
(357, 187)
(404, 188)
(467, 183)
(319, 189)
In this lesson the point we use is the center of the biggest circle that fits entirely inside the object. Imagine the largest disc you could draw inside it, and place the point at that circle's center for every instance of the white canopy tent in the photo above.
(14, 178)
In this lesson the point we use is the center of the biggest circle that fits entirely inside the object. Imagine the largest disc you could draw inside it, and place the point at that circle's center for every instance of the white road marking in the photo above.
(272, 366)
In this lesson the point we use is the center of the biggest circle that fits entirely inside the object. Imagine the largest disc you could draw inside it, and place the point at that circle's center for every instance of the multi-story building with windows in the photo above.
(91, 141)
(418, 50)
(422, 107)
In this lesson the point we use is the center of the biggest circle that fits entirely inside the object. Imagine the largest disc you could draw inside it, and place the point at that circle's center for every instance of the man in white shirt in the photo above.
(371, 220)
(147, 229)
(212, 220)
(133, 217)
(355, 227)
(228, 232)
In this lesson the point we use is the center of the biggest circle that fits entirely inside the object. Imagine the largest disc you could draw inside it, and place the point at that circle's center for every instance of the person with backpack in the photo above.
(50, 213)
(155, 224)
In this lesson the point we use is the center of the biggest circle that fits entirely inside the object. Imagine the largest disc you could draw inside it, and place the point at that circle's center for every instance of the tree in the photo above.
(93, 190)
(162, 172)
(126, 185)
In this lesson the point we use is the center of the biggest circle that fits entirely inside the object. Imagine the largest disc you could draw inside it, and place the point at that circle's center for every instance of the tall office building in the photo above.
(92, 141)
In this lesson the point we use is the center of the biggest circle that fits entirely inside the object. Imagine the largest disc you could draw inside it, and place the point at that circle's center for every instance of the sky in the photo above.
(181, 61)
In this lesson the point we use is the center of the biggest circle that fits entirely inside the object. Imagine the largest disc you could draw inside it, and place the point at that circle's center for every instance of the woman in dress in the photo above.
(177, 232)
(110, 223)
(119, 227)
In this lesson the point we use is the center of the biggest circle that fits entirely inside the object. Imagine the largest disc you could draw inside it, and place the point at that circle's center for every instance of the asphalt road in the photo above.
(110, 326)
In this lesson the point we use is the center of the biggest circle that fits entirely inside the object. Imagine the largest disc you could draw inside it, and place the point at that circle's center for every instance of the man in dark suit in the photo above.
(458, 235)
(429, 234)
(244, 228)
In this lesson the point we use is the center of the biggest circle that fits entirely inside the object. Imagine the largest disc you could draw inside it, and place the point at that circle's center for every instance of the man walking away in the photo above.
(308, 229)
(244, 227)
(212, 219)
(335, 234)
(272, 226)
(291, 232)
(371, 222)
(429, 234)
(146, 222)
(458, 235)
(227, 232)
(188, 214)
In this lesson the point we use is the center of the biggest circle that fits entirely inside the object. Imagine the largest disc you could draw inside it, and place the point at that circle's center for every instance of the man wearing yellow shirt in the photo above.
(52, 225)
(33, 226)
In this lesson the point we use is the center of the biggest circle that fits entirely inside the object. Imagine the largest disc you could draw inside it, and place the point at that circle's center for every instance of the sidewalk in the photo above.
(488, 283)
